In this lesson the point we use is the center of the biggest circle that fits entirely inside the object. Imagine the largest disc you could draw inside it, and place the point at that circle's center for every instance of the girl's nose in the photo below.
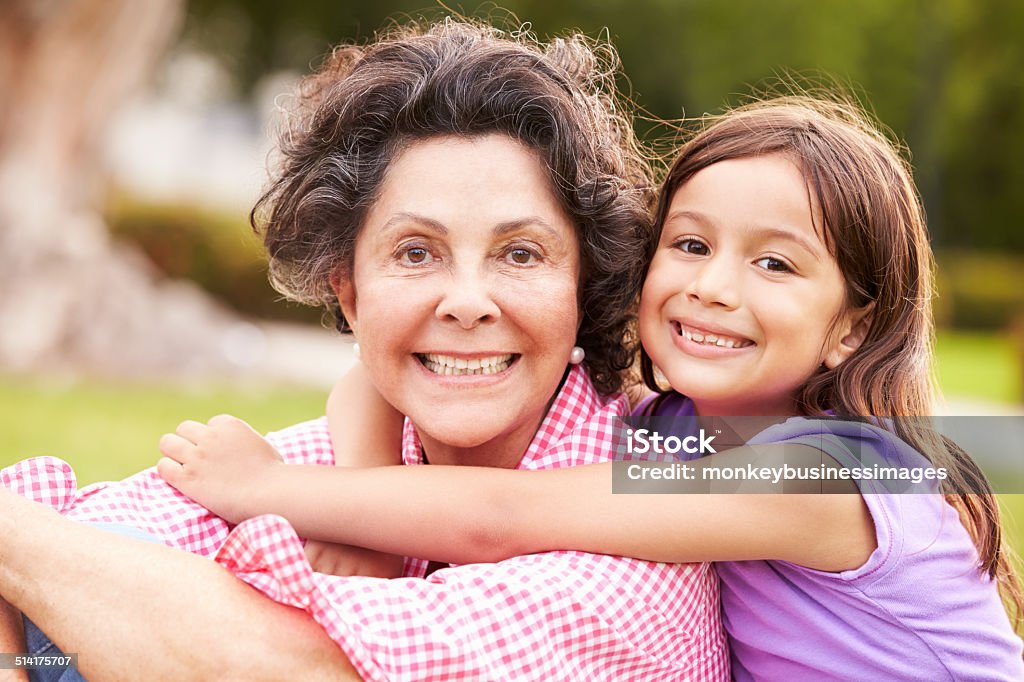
(467, 299)
(716, 284)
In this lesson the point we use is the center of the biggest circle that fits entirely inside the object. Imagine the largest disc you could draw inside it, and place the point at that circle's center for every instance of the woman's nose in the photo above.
(716, 284)
(468, 300)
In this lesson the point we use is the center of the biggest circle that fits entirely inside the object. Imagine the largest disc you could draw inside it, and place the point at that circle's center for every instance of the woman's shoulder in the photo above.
(308, 442)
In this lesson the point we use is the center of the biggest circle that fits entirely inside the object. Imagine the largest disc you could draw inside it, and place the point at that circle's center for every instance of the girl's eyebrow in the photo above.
(695, 216)
(788, 235)
(763, 233)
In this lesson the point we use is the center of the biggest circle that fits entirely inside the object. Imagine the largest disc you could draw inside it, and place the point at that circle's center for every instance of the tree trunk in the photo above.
(69, 297)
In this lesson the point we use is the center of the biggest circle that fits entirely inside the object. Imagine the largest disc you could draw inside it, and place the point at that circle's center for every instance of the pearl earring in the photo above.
(355, 349)
(576, 356)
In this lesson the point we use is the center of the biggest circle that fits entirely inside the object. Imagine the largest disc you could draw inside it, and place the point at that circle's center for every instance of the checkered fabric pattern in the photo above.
(550, 616)
(145, 501)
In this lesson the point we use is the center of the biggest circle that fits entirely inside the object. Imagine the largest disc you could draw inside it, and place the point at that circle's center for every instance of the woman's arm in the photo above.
(465, 514)
(12, 640)
(132, 609)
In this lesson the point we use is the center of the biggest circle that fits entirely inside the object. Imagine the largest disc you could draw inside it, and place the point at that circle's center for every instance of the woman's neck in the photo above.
(504, 451)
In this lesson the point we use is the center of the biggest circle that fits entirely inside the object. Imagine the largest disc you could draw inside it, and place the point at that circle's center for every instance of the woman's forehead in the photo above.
(446, 181)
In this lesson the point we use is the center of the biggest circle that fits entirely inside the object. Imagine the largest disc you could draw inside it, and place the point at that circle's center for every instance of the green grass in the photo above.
(109, 430)
(977, 365)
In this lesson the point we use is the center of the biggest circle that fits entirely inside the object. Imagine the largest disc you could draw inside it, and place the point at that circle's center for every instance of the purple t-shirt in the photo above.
(918, 609)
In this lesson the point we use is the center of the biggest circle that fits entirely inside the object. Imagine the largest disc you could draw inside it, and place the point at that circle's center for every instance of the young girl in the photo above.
(792, 277)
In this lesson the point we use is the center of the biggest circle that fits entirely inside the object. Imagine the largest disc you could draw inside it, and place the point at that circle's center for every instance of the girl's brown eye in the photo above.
(773, 264)
(694, 246)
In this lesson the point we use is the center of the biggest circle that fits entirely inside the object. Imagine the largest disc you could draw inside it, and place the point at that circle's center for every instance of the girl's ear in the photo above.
(345, 291)
(850, 335)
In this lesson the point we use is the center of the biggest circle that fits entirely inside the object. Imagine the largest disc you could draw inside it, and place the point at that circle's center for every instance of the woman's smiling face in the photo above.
(463, 295)
(743, 301)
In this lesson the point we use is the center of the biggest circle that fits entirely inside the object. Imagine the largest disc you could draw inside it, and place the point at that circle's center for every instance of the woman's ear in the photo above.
(850, 334)
(345, 292)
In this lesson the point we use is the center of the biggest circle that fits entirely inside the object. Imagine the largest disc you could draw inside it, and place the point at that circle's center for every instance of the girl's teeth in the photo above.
(713, 340)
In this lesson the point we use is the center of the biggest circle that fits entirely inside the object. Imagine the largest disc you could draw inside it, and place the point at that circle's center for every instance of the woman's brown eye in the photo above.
(521, 256)
(416, 255)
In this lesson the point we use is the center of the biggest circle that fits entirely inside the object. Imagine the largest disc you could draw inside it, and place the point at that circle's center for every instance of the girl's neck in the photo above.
(742, 420)
(784, 407)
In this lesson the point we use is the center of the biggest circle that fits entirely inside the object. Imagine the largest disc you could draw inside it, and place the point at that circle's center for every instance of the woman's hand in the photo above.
(222, 465)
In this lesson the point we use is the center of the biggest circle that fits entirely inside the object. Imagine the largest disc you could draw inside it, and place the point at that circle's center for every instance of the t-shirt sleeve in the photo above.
(893, 479)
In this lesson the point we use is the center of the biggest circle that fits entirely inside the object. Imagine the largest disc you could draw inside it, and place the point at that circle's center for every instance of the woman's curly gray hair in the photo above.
(457, 77)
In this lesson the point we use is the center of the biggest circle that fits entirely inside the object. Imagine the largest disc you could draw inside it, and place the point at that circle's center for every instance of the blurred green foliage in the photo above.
(945, 75)
(981, 290)
(216, 250)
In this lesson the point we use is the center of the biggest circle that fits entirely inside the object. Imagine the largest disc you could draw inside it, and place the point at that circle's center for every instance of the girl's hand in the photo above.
(222, 465)
(344, 560)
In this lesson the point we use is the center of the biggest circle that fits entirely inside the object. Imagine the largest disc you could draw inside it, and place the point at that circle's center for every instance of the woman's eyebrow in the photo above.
(500, 229)
(507, 226)
(405, 216)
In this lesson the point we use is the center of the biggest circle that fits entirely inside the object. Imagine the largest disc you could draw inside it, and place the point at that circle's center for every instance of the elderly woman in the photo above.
(462, 197)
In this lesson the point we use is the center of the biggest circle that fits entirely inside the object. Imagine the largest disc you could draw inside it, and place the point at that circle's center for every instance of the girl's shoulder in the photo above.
(852, 442)
(668, 404)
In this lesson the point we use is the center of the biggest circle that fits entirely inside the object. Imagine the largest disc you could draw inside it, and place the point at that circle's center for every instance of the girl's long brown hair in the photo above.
(873, 224)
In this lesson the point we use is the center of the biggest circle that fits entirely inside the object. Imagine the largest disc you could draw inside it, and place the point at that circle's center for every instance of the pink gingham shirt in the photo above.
(550, 616)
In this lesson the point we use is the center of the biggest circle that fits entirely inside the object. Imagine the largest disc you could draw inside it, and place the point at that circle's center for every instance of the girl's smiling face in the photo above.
(743, 301)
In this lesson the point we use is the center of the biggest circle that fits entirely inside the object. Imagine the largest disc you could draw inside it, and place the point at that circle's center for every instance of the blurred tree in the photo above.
(68, 296)
(945, 75)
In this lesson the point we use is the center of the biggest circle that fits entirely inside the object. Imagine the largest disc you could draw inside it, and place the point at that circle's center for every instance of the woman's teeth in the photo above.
(450, 366)
(715, 340)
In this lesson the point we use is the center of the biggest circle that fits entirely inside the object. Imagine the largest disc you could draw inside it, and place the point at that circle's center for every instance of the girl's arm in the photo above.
(366, 430)
(134, 609)
(467, 514)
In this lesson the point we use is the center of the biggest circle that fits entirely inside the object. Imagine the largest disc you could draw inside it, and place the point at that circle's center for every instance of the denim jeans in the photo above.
(37, 643)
